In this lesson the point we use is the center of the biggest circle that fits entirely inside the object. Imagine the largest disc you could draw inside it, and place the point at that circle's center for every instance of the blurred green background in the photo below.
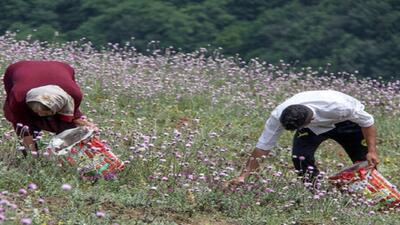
(356, 36)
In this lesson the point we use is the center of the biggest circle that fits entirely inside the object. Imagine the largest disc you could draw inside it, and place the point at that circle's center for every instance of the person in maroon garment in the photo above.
(41, 95)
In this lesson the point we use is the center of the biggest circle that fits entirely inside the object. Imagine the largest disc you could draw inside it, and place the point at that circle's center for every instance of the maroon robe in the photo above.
(21, 77)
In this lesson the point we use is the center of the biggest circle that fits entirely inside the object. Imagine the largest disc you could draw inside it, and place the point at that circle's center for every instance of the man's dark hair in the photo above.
(295, 116)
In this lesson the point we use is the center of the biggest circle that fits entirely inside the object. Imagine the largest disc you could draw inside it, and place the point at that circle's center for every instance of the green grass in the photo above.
(186, 124)
(128, 199)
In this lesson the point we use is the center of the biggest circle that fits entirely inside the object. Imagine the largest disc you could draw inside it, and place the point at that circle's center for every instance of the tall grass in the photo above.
(184, 123)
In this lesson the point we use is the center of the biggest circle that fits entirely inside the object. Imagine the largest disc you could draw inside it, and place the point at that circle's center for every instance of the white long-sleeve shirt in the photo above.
(329, 107)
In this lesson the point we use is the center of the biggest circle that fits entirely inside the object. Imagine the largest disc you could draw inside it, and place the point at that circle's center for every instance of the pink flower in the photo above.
(100, 214)
(32, 186)
(26, 221)
(66, 187)
(7, 136)
(340, 165)
(12, 206)
(22, 191)
(269, 190)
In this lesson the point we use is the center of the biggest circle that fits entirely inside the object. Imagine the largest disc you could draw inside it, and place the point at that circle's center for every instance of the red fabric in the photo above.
(22, 76)
(66, 118)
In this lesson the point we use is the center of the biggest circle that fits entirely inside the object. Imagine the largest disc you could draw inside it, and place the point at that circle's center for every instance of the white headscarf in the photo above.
(54, 97)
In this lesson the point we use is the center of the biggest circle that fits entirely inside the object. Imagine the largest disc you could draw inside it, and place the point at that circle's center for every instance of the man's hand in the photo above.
(372, 159)
(370, 136)
(251, 165)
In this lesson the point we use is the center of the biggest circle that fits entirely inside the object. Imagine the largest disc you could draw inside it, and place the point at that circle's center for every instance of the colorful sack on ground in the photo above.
(369, 183)
(79, 147)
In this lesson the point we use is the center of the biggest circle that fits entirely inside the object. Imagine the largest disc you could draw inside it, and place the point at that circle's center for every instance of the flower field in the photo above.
(184, 124)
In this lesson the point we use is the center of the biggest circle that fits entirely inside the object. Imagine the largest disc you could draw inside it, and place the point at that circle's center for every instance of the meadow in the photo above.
(184, 124)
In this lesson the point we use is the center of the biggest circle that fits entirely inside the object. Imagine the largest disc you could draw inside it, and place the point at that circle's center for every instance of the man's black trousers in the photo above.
(306, 142)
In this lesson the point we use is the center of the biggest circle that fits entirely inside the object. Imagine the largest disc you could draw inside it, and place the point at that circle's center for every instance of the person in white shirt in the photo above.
(317, 116)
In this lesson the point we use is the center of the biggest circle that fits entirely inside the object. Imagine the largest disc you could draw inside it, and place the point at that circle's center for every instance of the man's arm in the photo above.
(251, 165)
(267, 141)
(356, 113)
(370, 136)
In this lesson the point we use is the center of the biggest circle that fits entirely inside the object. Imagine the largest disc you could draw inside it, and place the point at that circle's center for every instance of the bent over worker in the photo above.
(41, 95)
(316, 116)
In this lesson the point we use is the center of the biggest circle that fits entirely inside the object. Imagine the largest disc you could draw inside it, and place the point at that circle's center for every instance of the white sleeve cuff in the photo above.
(263, 146)
(367, 123)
